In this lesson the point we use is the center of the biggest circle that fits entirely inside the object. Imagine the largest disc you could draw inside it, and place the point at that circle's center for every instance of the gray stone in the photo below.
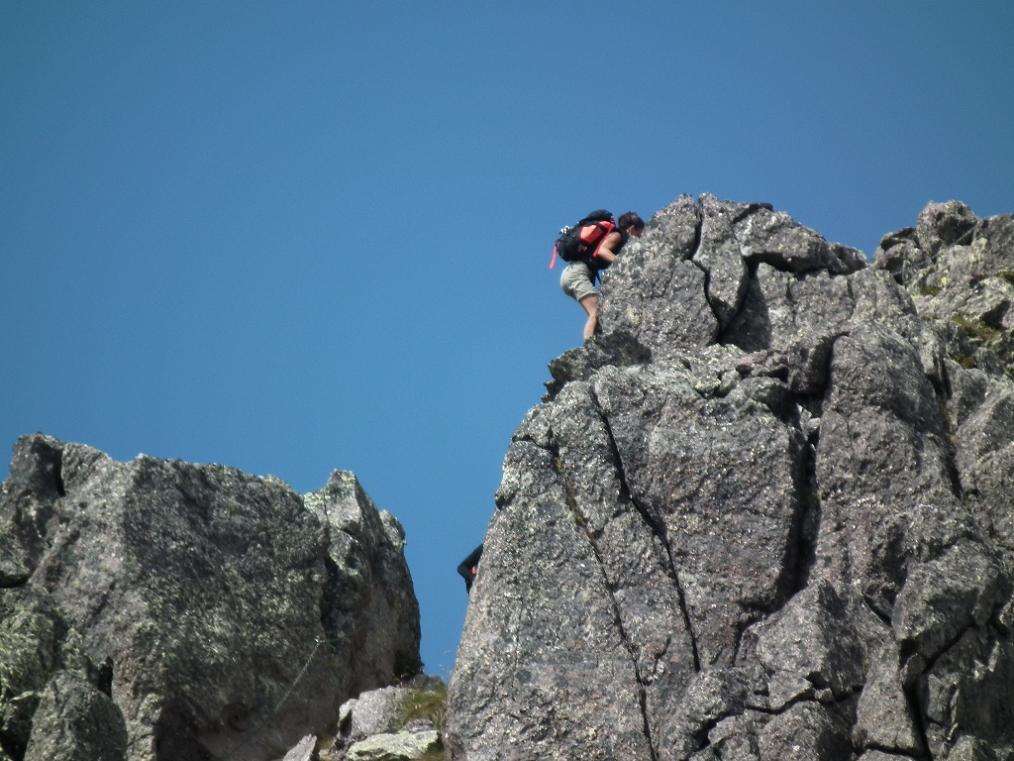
(807, 731)
(76, 722)
(222, 615)
(34, 644)
(675, 230)
(617, 349)
(809, 647)
(653, 293)
(960, 272)
(982, 415)
(899, 254)
(971, 749)
(374, 712)
(883, 715)
(305, 750)
(719, 255)
(783, 530)
(944, 224)
(370, 609)
(400, 746)
(944, 597)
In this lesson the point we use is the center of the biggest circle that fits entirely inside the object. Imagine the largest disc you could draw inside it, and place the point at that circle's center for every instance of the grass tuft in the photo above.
(428, 704)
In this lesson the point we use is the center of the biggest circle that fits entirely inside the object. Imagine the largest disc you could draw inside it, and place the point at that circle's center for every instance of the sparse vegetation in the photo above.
(976, 329)
(428, 704)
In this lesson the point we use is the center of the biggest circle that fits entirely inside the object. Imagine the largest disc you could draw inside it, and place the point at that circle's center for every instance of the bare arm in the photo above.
(607, 250)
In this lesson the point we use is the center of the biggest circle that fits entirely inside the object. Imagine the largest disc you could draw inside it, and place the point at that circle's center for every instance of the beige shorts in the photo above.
(576, 281)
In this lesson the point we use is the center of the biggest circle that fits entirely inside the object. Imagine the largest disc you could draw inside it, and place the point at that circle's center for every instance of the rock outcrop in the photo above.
(401, 723)
(959, 271)
(766, 515)
(162, 610)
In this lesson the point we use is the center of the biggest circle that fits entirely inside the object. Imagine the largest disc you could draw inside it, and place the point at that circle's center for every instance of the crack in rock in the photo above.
(582, 521)
(660, 531)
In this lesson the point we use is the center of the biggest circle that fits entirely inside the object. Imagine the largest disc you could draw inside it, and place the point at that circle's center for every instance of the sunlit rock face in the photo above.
(157, 609)
(767, 514)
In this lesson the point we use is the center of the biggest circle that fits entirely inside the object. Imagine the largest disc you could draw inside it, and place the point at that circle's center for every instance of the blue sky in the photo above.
(293, 237)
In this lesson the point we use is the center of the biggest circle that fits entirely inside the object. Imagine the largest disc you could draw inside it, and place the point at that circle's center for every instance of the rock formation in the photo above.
(767, 514)
(161, 610)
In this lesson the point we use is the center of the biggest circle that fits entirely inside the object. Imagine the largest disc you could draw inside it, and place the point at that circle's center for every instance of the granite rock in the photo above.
(221, 614)
(783, 530)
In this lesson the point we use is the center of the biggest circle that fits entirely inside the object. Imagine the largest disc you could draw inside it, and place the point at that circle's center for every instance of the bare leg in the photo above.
(591, 306)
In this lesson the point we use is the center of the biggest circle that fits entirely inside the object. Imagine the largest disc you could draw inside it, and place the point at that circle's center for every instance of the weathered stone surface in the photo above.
(374, 712)
(944, 224)
(883, 715)
(960, 271)
(981, 412)
(619, 349)
(775, 238)
(805, 731)
(786, 533)
(810, 650)
(223, 616)
(76, 722)
(653, 279)
(719, 255)
(305, 750)
(30, 635)
(369, 608)
(401, 746)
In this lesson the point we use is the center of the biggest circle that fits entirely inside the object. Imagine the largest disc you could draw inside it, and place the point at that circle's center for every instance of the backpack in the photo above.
(580, 242)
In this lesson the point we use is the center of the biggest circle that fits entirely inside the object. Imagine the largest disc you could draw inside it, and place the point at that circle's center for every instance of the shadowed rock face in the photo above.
(187, 612)
(767, 515)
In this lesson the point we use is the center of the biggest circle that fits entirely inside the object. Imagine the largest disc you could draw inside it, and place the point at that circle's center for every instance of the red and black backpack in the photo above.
(581, 242)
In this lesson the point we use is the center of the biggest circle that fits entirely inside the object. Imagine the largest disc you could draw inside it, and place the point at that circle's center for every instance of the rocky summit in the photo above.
(161, 610)
(767, 514)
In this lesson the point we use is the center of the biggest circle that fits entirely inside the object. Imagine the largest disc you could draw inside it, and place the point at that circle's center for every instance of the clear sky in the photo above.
(299, 236)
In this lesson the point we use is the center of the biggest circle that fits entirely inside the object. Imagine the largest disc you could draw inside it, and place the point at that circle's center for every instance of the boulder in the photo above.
(400, 746)
(223, 614)
(374, 712)
(76, 722)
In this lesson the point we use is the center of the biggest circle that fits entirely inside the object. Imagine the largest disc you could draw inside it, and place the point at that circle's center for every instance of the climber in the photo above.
(469, 567)
(579, 278)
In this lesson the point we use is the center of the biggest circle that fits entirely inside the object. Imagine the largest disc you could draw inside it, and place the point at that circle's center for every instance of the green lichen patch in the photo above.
(928, 290)
(976, 329)
(14, 570)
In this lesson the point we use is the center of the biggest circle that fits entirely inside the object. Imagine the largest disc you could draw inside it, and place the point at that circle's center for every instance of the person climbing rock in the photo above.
(469, 567)
(590, 247)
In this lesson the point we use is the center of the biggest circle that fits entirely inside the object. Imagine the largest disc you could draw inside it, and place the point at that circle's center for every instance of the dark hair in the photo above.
(631, 219)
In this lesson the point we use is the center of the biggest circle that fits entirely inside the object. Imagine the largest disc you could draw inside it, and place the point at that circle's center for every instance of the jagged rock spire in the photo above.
(766, 515)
